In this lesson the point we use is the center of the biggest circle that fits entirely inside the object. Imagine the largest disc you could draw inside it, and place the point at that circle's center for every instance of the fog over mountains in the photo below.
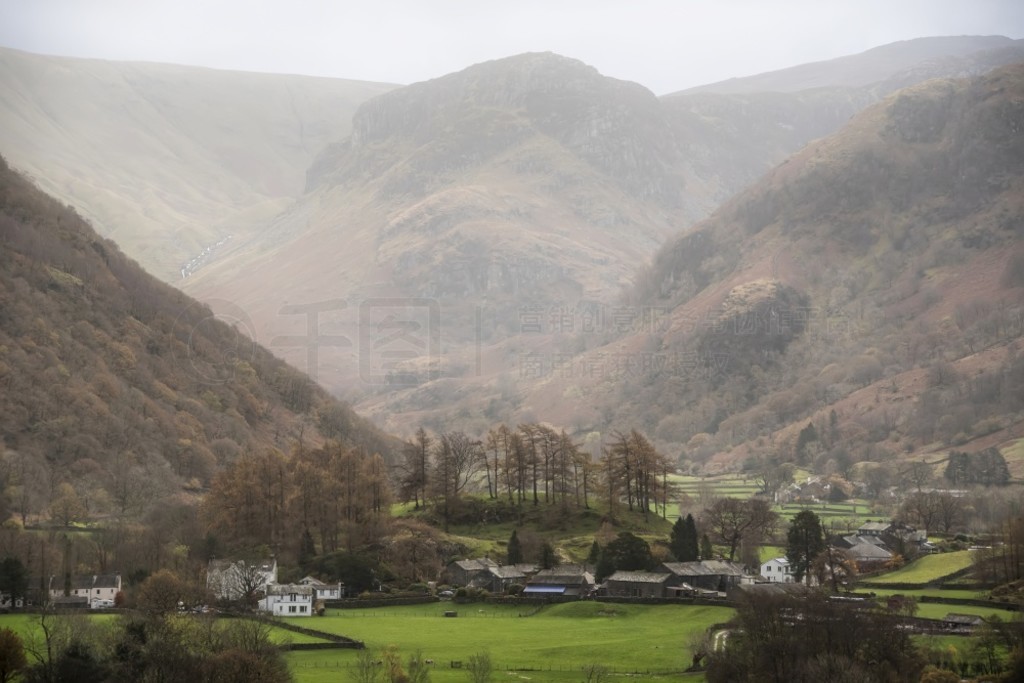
(511, 212)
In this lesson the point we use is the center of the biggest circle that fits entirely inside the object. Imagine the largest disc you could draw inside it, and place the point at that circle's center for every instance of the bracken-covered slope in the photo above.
(168, 161)
(878, 273)
(122, 385)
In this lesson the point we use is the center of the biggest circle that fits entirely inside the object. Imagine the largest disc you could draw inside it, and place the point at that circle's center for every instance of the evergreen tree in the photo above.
(684, 540)
(547, 556)
(805, 540)
(595, 553)
(605, 566)
(706, 551)
(515, 549)
(629, 552)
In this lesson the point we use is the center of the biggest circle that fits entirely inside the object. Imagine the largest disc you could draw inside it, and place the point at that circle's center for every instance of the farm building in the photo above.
(565, 579)
(707, 575)
(637, 584)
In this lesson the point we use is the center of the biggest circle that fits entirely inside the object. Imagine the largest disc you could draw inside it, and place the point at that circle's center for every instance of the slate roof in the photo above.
(567, 574)
(288, 589)
(507, 572)
(868, 551)
(639, 577)
(479, 564)
(704, 568)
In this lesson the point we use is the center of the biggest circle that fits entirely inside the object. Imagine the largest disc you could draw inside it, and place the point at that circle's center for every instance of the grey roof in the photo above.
(87, 581)
(867, 551)
(507, 572)
(874, 526)
(639, 577)
(478, 564)
(704, 568)
(780, 560)
(289, 588)
(564, 574)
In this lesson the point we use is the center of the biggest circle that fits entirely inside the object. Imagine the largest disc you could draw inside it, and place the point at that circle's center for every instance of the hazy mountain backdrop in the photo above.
(478, 247)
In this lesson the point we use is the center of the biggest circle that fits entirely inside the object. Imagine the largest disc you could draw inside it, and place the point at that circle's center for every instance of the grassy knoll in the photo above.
(927, 569)
(560, 638)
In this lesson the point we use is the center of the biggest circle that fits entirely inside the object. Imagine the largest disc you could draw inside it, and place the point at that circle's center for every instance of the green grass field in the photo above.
(927, 569)
(552, 645)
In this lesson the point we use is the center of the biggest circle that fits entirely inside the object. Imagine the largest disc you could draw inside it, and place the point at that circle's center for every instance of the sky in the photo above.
(666, 45)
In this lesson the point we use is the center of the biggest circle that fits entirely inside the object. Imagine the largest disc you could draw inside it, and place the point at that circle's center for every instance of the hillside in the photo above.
(528, 181)
(168, 161)
(877, 274)
(736, 131)
(122, 386)
(520, 196)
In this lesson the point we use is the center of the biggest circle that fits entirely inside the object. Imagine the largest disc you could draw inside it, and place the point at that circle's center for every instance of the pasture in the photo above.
(552, 644)
(927, 569)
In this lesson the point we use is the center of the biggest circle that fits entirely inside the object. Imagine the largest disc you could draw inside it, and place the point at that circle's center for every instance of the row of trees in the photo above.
(533, 464)
(337, 497)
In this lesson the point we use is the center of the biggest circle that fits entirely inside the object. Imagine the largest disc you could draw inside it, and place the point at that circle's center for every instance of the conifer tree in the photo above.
(684, 542)
(515, 549)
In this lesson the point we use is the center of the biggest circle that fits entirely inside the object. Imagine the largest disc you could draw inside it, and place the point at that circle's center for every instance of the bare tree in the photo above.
(729, 520)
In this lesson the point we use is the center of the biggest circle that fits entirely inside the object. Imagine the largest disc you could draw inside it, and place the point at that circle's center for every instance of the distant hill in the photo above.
(735, 131)
(168, 160)
(872, 66)
(123, 386)
(877, 274)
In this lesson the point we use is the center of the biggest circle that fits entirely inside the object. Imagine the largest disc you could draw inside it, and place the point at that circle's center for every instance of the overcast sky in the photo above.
(666, 45)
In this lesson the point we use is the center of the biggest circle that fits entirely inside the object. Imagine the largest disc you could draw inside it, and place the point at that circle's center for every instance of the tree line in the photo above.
(533, 464)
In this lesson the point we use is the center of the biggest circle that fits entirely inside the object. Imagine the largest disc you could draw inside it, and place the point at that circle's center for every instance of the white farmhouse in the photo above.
(288, 600)
(324, 591)
(777, 570)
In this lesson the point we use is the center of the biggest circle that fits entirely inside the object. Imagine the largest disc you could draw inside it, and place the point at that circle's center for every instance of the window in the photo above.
(291, 608)
(302, 609)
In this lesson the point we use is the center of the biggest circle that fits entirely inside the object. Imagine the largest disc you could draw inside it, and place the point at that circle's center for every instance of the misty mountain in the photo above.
(882, 64)
(737, 130)
(871, 285)
(168, 160)
(122, 385)
(528, 181)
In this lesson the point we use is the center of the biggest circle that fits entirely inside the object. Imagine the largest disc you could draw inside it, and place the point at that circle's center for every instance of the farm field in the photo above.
(927, 569)
(552, 645)
(841, 517)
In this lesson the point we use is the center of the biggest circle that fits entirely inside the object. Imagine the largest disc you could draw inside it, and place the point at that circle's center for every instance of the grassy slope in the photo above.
(929, 568)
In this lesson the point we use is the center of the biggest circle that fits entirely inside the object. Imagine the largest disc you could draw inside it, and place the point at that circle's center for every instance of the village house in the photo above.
(565, 580)
(288, 600)
(777, 570)
(324, 591)
(624, 584)
(706, 575)
(98, 590)
(229, 579)
(464, 572)
(498, 579)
